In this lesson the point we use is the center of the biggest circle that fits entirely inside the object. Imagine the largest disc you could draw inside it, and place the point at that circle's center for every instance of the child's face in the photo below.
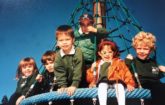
(49, 65)
(142, 51)
(27, 70)
(106, 53)
(84, 25)
(65, 42)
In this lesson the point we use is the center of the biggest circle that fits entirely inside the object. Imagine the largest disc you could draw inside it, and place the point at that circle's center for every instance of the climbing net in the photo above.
(118, 20)
(121, 26)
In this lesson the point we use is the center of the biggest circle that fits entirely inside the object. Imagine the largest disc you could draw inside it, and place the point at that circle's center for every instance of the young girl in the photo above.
(110, 70)
(26, 74)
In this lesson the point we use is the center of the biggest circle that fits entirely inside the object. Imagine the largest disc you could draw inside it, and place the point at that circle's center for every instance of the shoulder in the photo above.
(152, 60)
(118, 60)
(58, 55)
(78, 50)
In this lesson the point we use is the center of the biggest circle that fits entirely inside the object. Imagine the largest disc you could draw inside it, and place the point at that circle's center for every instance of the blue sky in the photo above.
(27, 29)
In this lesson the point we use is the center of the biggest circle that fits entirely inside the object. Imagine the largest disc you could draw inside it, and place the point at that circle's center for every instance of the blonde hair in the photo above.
(144, 38)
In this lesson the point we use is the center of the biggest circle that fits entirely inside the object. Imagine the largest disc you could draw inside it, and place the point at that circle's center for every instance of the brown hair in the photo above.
(48, 56)
(64, 29)
(113, 45)
(24, 62)
(86, 16)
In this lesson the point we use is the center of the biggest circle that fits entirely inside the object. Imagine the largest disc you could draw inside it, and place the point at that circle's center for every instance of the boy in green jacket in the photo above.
(68, 62)
(148, 70)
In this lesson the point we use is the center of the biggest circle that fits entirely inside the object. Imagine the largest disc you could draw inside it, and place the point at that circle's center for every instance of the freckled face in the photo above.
(49, 66)
(84, 25)
(65, 42)
(27, 70)
(106, 53)
(142, 51)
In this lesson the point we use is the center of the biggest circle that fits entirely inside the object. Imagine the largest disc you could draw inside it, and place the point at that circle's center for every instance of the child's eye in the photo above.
(67, 39)
(110, 52)
(59, 40)
(103, 52)
(23, 67)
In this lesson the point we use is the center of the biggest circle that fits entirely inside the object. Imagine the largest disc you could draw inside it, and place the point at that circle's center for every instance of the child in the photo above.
(87, 38)
(68, 62)
(110, 70)
(26, 74)
(147, 69)
(48, 80)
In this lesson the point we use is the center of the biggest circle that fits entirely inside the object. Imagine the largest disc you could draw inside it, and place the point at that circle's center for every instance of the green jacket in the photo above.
(87, 43)
(147, 70)
(68, 69)
(24, 84)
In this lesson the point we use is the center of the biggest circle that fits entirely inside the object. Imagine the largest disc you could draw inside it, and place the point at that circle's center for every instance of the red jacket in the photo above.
(116, 71)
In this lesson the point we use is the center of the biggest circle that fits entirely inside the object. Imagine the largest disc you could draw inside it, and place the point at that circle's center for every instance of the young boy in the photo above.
(68, 62)
(147, 69)
(85, 37)
(110, 70)
(47, 80)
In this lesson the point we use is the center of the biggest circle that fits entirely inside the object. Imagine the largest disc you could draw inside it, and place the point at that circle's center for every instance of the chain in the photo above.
(71, 101)
(94, 101)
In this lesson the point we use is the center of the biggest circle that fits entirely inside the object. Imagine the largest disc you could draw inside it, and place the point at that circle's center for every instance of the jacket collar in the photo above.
(72, 51)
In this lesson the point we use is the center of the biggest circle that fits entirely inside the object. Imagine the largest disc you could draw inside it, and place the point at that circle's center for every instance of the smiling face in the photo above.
(65, 42)
(106, 53)
(144, 44)
(142, 51)
(27, 70)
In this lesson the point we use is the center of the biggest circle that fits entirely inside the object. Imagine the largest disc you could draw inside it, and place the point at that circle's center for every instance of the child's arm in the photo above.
(130, 87)
(92, 29)
(129, 60)
(60, 71)
(27, 90)
(77, 67)
(70, 90)
(77, 71)
(90, 76)
(20, 99)
(162, 68)
(39, 78)
(96, 30)
(128, 77)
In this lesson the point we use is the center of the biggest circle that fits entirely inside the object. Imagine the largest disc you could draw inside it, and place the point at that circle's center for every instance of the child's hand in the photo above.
(92, 85)
(130, 88)
(61, 90)
(39, 78)
(129, 56)
(91, 29)
(93, 66)
(162, 68)
(71, 90)
(20, 99)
